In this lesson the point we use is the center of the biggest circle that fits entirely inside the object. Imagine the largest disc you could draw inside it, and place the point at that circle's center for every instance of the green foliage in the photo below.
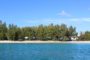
(12, 32)
(3, 30)
(85, 36)
(41, 32)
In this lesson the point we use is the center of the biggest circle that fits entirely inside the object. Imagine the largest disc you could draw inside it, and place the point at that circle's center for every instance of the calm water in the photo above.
(44, 51)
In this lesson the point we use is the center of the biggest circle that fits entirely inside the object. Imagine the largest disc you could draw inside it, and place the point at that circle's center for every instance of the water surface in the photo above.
(44, 51)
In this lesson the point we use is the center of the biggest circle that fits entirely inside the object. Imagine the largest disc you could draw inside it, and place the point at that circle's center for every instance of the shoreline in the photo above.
(44, 41)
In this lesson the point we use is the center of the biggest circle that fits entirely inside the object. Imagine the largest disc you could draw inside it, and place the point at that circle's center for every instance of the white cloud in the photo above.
(68, 21)
(63, 13)
(80, 19)
(46, 21)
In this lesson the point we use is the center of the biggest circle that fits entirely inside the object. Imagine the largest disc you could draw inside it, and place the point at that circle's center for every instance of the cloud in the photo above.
(80, 19)
(57, 21)
(63, 13)
(44, 21)
(67, 21)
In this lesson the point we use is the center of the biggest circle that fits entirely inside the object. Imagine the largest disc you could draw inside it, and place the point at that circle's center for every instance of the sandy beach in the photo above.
(44, 41)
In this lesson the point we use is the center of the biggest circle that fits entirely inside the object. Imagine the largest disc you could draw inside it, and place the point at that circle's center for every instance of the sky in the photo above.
(36, 12)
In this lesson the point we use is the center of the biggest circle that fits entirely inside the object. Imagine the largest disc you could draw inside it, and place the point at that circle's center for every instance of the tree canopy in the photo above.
(41, 32)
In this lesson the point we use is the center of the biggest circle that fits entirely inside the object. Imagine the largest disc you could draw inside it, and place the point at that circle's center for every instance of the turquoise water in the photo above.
(53, 51)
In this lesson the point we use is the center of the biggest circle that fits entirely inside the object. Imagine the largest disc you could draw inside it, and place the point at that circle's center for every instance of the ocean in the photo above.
(44, 51)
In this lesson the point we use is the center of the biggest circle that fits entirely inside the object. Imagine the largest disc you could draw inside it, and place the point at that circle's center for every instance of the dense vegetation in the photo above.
(85, 36)
(50, 32)
(41, 32)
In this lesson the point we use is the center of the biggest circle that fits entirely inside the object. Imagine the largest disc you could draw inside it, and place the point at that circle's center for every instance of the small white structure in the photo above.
(74, 38)
(26, 38)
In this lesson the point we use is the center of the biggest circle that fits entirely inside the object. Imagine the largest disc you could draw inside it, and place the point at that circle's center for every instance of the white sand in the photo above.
(44, 41)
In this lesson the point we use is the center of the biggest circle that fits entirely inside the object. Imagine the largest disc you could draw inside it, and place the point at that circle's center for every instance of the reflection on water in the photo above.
(44, 51)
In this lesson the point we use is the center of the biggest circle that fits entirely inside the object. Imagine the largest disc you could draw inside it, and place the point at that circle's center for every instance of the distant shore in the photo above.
(44, 41)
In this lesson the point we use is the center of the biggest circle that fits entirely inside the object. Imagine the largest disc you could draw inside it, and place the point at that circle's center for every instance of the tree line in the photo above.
(85, 36)
(49, 32)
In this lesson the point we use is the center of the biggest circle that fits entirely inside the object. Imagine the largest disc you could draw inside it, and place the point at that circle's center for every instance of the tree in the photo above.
(41, 32)
(71, 32)
(3, 30)
(85, 36)
(12, 33)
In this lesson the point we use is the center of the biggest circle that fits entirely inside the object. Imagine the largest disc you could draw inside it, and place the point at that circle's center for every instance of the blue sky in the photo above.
(36, 12)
